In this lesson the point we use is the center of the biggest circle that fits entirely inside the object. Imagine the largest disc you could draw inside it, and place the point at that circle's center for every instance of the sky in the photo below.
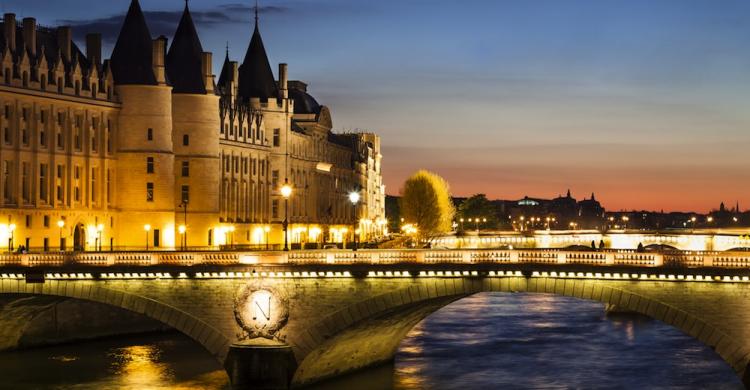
(645, 103)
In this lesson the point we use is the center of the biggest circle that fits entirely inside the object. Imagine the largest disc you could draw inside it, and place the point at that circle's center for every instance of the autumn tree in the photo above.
(426, 202)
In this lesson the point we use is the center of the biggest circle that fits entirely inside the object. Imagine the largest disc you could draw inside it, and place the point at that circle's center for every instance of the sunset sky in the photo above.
(644, 102)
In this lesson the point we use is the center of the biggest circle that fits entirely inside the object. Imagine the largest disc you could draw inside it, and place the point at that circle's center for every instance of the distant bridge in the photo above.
(276, 319)
(686, 239)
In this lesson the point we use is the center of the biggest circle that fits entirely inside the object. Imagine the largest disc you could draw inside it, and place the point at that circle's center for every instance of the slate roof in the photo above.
(132, 56)
(256, 76)
(184, 59)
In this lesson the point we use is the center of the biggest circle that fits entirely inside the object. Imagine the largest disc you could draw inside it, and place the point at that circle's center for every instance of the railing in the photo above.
(622, 258)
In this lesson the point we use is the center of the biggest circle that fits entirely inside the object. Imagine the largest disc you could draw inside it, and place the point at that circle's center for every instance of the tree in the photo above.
(478, 206)
(426, 202)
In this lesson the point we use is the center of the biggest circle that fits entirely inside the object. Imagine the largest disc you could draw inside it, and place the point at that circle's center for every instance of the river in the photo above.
(489, 340)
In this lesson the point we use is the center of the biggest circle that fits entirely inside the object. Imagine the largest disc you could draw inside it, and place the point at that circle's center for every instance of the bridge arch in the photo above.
(369, 332)
(203, 333)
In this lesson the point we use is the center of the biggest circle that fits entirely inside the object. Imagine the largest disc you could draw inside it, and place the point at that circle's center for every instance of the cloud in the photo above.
(165, 22)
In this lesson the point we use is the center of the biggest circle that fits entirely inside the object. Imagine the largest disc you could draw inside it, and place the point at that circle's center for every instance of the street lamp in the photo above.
(99, 230)
(184, 206)
(286, 192)
(182, 229)
(354, 198)
(147, 228)
(12, 228)
(61, 224)
(267, 229)
(231, 231)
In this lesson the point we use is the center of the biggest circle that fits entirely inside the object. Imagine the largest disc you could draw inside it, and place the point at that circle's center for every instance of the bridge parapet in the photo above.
(625, 258)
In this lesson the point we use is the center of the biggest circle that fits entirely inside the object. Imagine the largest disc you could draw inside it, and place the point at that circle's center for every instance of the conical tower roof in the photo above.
(226, 72)
(132, 55)
(184, 63)
(256, 76)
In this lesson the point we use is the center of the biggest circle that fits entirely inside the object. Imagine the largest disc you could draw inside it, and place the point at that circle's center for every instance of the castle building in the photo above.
(148, 149)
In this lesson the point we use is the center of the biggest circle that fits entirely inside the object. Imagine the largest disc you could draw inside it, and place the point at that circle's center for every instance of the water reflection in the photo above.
(496, 340)
(161, 361)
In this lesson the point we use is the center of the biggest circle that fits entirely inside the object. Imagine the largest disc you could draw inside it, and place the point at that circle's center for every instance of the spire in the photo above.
(256, 76)
(132, 56)
(592, 196)
(226, 75)
(184, 64)
(568, 194)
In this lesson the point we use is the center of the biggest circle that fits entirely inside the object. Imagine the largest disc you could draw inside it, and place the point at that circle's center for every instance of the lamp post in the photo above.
(183, 244)
(147, 228)
(11, 240)
(99, 230)
(184, 206)
(61, 224)
(267, 229)
(354, 198)
(286, 192)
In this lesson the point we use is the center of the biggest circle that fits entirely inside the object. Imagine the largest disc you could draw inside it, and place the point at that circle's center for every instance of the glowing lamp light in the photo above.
(12, 227)
(100, 227)
(286, 190)
(147, 227)
(182, 229)
(354, 197)
(60, 223)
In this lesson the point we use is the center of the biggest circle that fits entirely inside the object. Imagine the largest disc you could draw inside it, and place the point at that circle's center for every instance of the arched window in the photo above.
(43, 81)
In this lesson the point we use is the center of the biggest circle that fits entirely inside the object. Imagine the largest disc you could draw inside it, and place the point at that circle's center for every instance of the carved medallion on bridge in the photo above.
(261, 312)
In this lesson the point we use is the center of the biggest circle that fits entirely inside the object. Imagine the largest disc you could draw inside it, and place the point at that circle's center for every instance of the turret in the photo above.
(145, 169)
(195, 109)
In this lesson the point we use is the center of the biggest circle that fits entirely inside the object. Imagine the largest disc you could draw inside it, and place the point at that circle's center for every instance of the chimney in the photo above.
(283, 81)
(235, 75)
(29, 34)
(159, 48)
(94, 48)
(207, 69)
(9, 21)
(64, 36)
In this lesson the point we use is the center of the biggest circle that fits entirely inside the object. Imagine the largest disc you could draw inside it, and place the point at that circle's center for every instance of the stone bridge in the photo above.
(290, 319)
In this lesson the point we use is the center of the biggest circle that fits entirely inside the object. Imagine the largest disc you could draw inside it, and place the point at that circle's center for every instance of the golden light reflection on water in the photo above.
(138, 366)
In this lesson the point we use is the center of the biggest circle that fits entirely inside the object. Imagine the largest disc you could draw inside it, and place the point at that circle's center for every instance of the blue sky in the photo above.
(644, 102)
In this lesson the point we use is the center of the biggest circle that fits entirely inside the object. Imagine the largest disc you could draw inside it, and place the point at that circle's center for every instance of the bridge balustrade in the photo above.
(179, 258)
(586, 258)
(490, 256)
(638, 259)
(43, 260)
(546, 257)
(10, 260)
(226, 258)
(731, 262)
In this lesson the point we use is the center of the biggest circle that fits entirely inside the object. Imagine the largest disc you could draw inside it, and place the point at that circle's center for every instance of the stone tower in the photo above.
(196, 124)
(145, 170)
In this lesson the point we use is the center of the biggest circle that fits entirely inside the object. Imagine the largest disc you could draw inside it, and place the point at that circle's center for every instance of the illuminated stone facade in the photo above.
(147, 148)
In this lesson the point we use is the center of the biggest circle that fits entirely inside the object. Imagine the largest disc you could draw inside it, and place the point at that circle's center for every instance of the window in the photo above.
(185, 169)
(46, 221)
(276, 137)
(149, 192)
(94, 194)
(7, 111)
(60, 118)
(77, 138)
(149, 165)
(275, 179)
(185, 194)
(150, 134)
(7, 181)
(109, 136)
(6, 135)
(60, 140)
(43, 136)
(25, 182)
(186, 140)
(43, 182)
(28, 221)
(275, 209)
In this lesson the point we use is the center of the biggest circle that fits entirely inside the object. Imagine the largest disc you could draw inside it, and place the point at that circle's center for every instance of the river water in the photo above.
(487, 341)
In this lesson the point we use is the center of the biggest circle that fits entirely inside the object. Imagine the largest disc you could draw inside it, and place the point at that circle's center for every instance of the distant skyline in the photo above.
(643, 102)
